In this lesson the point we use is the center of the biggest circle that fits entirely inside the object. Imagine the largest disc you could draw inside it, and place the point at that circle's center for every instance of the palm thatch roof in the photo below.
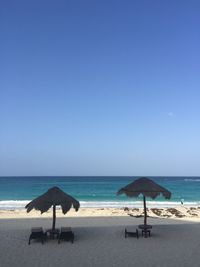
(53, 197)
(146, 187)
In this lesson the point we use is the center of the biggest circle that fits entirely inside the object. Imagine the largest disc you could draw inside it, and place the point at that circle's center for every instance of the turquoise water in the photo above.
(15, 192)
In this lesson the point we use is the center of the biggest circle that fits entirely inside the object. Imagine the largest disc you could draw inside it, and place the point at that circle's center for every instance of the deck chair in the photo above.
(129, 231)
(66, 234)
(38, 234)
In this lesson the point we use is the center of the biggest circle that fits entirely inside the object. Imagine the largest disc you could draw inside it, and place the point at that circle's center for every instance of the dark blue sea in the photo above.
(95, 191)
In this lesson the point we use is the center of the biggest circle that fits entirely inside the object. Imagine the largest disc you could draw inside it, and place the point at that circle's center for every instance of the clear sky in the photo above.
(100, 87)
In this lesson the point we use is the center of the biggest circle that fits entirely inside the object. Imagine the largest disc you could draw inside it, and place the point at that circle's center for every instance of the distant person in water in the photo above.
(182, 201)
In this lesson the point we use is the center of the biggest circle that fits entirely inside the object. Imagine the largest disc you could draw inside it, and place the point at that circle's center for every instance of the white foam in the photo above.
(191, 180)
(13, 204)
(136, 204)
(20, 204)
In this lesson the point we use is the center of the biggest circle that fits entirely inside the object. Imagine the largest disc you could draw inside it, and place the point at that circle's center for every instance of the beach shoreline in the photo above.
(182, 213)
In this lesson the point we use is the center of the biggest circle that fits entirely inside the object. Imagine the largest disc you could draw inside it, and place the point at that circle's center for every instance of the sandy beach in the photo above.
(99, 239)
(181, 212)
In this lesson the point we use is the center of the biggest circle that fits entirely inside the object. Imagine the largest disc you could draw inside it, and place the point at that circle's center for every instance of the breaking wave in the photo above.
(191, 180)
(20, 204)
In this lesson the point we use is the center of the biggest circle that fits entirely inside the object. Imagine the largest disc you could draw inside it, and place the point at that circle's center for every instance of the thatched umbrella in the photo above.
(53, 197)
(147, 188)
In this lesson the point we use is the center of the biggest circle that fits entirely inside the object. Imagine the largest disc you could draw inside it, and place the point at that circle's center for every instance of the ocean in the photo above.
(96, 191)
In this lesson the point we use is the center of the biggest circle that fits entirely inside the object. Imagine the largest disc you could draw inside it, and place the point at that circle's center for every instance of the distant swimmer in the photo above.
(182, 201)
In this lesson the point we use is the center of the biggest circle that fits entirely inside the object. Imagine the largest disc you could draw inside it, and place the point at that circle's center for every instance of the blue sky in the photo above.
(100, 87)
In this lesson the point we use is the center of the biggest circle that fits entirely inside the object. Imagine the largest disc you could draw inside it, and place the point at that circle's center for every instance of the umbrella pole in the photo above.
(145, 210)
(54, 217)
